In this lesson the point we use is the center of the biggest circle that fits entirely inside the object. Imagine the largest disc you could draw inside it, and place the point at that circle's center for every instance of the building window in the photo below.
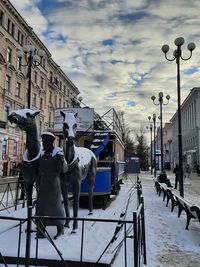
(40, 127)
(60, 85)
(13, 30)
(44, 63)
(35, 76)
(50, 97)
(34, 99)
(8, 83)
(41, 103)
(15, 148)
(1, 17)
(9, 54)
(51, 76)
(4, 147)
(19, 36)
(22, 39)
(19, 63)
(55, 101)
(18, 89)
(6, 112)
(27, 94)
(42, 82)
(9, 25)
(50, 120)
(60, 103)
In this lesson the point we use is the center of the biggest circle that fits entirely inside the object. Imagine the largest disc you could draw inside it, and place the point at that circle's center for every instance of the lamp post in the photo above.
(151, 157)
(154, 143)
(32, 60)
(161, 103)
(177, 57)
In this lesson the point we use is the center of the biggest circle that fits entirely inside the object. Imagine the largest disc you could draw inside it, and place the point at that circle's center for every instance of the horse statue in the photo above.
(81, 163)
(25, 120)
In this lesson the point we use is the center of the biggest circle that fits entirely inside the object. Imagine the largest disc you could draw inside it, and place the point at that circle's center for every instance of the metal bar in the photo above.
(82, 237)
(143, 232)
(125, 248)
(135, 241)
(19, 242)
(28, 237)
(16, 194)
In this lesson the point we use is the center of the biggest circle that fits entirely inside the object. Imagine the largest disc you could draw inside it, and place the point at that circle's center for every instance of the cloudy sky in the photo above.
(111, 49)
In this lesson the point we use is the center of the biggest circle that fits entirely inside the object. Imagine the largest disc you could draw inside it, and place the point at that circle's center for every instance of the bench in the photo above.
(192, 210)
(162, 188)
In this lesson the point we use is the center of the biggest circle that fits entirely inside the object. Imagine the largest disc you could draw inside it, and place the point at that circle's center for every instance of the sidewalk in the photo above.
(168, 243)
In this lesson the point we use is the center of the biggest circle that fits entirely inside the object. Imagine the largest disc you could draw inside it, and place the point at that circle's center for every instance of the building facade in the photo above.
(50, 87)
(190, 120)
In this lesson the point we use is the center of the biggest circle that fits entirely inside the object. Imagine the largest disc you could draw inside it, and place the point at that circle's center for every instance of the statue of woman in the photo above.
(49, 200)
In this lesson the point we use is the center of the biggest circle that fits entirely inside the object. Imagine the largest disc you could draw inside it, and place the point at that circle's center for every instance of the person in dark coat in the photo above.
(176, 172)
(49, 200)
(162, 178)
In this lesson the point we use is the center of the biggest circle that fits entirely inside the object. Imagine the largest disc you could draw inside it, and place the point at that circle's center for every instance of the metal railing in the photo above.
(125, 230)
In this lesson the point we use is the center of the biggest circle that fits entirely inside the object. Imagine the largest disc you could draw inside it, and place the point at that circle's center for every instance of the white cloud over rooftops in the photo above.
(113, 48)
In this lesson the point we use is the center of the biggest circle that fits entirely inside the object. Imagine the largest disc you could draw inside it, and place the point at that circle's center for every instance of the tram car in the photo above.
(103, 135)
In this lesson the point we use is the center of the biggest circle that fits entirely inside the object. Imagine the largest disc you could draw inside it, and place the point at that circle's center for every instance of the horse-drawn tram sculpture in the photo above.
(98, 156)
(103, 136)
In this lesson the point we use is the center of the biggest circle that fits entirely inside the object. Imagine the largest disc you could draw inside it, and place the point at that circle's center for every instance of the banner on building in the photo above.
(85, 119)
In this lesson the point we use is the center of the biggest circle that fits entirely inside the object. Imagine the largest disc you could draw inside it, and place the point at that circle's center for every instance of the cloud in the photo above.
(112, 49)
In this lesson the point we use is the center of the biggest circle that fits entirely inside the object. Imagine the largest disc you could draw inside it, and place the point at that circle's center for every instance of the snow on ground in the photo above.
(168, 243)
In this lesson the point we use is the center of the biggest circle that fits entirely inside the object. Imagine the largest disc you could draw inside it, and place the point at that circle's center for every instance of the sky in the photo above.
(167, 242)
(111, 50)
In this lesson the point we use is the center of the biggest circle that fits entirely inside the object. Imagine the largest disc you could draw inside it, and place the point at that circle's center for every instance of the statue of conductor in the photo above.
(49, 198)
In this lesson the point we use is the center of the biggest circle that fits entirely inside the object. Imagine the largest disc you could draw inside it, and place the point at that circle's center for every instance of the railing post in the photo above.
(28, 237)
(135, 239)
(143, 232)
(82, 236)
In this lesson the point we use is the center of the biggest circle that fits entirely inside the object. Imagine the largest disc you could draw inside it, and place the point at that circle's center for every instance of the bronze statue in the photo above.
(49, 202)
(25, 120)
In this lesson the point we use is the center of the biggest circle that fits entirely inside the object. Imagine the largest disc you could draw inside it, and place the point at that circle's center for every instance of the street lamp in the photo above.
(32, 60)
(161, 103)
(178, 56)
(151, 158)
(154, 143)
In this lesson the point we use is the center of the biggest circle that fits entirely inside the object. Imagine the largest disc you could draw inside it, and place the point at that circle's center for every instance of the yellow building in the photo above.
(50, 87)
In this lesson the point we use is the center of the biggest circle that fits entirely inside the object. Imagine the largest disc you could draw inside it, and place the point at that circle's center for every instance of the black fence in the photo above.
(129, 229)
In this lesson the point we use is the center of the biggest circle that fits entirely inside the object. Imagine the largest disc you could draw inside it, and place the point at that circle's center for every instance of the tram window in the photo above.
(106, 155)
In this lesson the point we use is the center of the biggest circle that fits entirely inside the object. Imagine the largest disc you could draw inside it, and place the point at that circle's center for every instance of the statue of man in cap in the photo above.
(49, 200)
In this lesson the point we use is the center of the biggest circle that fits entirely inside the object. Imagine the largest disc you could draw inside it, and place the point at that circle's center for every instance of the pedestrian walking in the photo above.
(198, 169)
(176, 172)
(187, 171)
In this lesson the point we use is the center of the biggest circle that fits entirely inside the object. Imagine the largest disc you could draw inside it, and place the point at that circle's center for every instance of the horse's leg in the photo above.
(90, 193)
(64, 190)
(76, 194)
(91, 180)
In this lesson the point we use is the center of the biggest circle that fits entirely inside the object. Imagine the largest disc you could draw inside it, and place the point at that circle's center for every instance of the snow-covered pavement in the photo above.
(168, 243)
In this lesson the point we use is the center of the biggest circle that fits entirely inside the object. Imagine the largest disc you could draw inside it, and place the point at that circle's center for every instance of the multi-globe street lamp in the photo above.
(177, 57)
(32, 60)
(161, 103)
(151, 148)
(154, 143)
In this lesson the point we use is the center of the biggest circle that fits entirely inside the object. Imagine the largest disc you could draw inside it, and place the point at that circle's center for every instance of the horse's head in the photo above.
(69, 126)
(23, 118)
